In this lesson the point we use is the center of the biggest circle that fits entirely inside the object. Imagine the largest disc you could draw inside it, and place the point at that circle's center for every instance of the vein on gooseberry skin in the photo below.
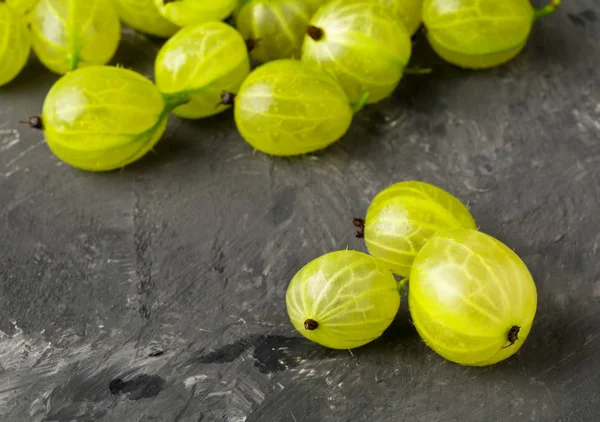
(340, 290)
(449, 289)
(484, 264)
(330, 284)
(354, 299)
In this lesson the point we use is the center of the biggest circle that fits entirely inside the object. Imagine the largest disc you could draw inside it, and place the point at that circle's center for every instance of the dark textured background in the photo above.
(157, 293)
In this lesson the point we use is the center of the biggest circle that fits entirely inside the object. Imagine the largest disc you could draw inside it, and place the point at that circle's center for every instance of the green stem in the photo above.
(358, 106)
(75, 42)
(546, 10)
(417, 71)
(172, 101)
(74, 63)
(401, 285)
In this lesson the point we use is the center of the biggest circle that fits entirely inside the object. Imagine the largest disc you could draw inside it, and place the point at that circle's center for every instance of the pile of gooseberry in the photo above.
(295, 73)
(471, 298)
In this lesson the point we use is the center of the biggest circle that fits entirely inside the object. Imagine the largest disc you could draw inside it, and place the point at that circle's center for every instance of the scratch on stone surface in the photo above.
(6, 141)
(219, 393)
(578, 409)
(590, 339)
(187, 404)
(143, 261)
(22, 154)
(587, 123)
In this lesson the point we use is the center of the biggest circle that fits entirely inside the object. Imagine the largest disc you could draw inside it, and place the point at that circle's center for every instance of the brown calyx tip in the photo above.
(513, 335)
(251, 44)
(168, 1)
(359, 223)
(34, 122)
(227, 98)
(315, 32)
(311, 324)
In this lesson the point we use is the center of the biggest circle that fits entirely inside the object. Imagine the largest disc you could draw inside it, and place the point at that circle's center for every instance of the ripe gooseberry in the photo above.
(192, 12)
(69, 34)
(480, 34)
(286, 108)
(102, 118)
(471, 298)
(404, 216)
(144, 16)
(275, 28)
(201, 62)
(342, 300)
(15, 44)
(361, 44)
(409, 11)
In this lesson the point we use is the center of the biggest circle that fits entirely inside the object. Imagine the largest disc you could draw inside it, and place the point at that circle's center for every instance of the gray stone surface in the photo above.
(157, 293)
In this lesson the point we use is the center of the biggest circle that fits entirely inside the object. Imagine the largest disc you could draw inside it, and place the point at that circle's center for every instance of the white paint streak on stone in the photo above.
(192, 381)
(19, 156)
(9, 138)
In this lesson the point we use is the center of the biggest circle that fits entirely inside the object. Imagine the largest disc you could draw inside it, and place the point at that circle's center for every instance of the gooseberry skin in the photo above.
(478, 34)
(409, 11)
(404, 216)
(277, 26)
(21, 7)
(202, 61)
(15, 44)
(350, 296)
(191, 12)
(467, 292)
(362, 45)
(285, 108)
(143, 16)
(70, 34)
(103, 118)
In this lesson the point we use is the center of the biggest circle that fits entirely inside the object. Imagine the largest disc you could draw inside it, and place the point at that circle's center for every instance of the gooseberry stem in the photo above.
(418, 71)
(362, 101)
(172, 101)
(547, 10)
(401, 285)
(74, 63)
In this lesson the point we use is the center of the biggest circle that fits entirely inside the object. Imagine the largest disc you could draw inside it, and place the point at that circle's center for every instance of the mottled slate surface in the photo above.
(186, 255)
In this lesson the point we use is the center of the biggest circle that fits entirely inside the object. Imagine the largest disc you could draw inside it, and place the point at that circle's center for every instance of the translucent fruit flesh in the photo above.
(478, 34)
(285, 108)
(202, 61)
(348, 294)
(404, 216)
(467, 291)
(103, 118)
